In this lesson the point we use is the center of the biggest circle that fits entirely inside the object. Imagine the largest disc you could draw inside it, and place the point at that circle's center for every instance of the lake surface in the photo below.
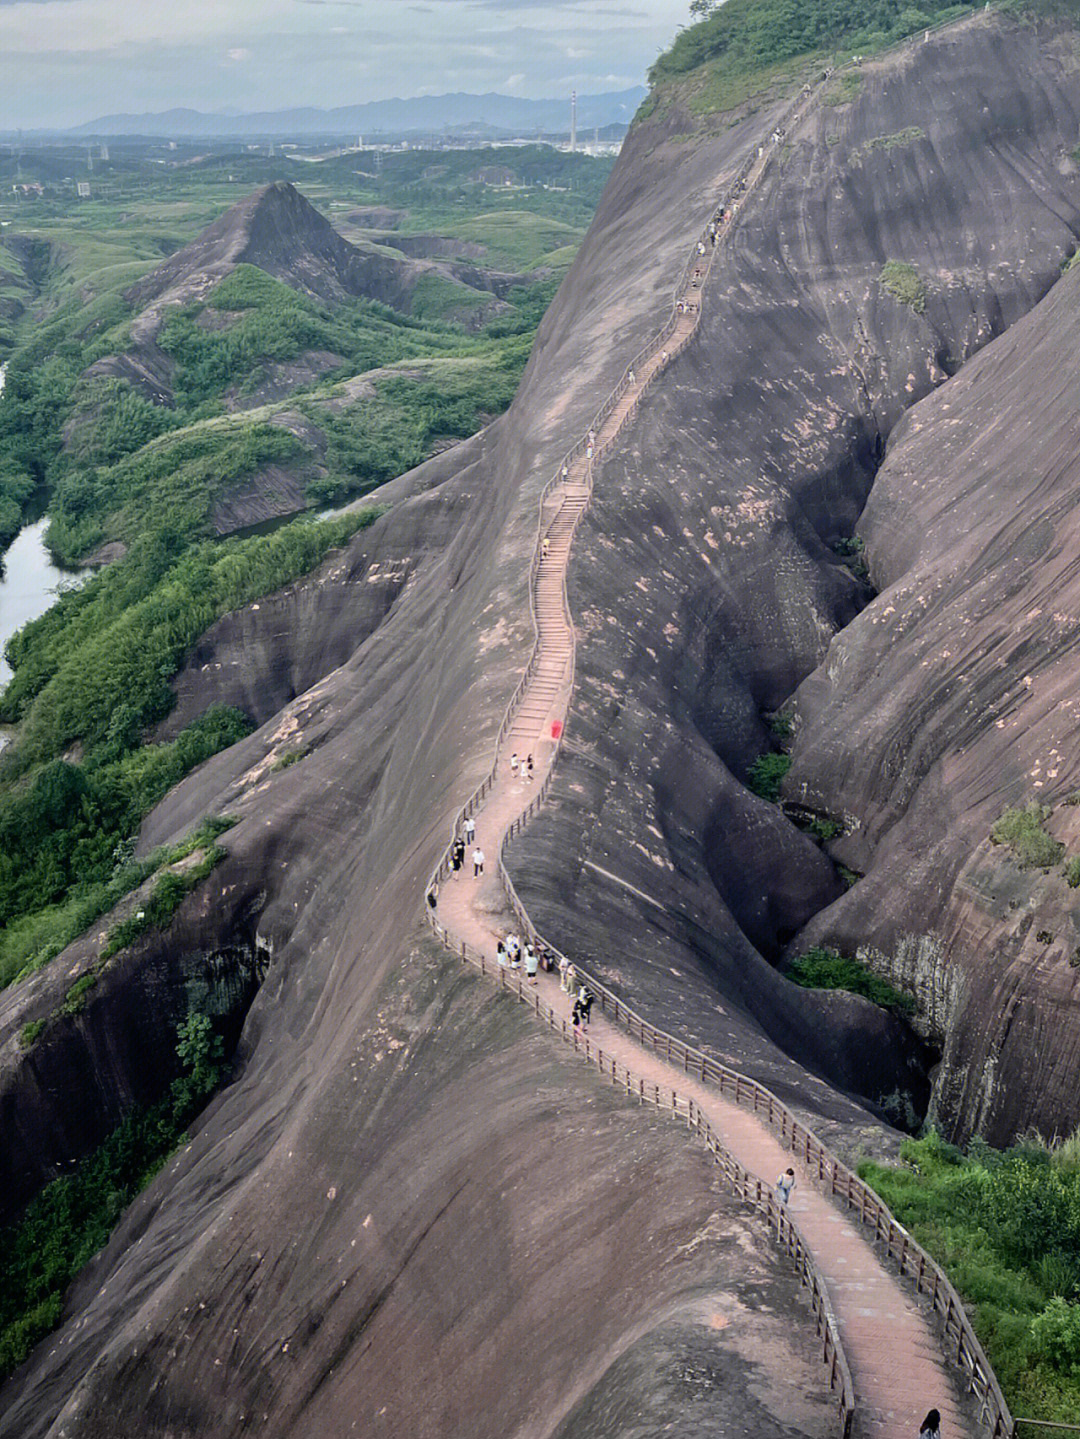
(29, 583)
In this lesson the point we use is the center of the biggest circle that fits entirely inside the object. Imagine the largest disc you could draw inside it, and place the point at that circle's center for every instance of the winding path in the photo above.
(884, 1344)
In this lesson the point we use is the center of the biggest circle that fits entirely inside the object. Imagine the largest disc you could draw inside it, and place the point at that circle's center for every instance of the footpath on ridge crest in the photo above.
(889, 1338)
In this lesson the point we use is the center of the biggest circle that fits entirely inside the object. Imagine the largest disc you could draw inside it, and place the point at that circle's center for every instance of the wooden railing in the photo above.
(749, 1187)
(958, 1336)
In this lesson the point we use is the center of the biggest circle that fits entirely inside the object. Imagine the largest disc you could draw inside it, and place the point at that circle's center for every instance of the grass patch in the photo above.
(1023, 832)
(766, 774)
(904, 283)
(782, 724)
(165, 899)
(1072, 871)
(435, 297)
(65, 833)
(71, 1218)
(822, 968)
(893, 142)
(30, 1033)
(1005, 1226)
(288, 759)
(844, 89)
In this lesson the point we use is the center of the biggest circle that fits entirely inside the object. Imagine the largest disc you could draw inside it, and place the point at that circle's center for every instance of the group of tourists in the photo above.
(511, 953)
(459, 847)
(583, 997)
(521, 768)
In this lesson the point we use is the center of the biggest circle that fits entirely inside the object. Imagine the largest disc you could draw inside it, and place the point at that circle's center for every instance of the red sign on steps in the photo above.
(556, 728)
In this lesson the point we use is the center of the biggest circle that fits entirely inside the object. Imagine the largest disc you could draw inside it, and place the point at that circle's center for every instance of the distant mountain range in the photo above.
(503, 113)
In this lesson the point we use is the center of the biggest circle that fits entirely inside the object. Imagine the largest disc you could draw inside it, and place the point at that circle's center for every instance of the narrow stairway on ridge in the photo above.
(889, 1339)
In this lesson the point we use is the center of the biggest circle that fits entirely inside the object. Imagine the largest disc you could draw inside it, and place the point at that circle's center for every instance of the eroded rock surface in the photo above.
(374, 1079)
(953, 695)
(405, 1187)
(704, 580)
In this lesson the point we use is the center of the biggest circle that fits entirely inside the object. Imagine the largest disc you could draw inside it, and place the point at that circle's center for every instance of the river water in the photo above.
(29, 583)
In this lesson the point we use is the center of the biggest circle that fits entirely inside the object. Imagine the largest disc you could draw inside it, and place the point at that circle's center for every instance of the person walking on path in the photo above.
(514, 764)
(457, 855)
(564, 965)
(470, 830)
(532, 963)
(931, 1426)
(585, 1003)
(571, 979)
(477, 862)
(545, 545)
(501, 955)
(785, 1184)
(528, 766)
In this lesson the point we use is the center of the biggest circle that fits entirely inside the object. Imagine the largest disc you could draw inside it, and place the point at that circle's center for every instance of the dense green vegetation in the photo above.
(70, 1220)
(766, 775)
(172, 483)
(822, 968)
(95, 667)
(94, 671)
(904, 283)
(1005, 1226)
(1023, 831)
(745, 36)
(37, 938)
(267, 321)
(405, 415)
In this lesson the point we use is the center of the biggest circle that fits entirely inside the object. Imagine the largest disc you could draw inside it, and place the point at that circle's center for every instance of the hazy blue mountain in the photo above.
(427, 113)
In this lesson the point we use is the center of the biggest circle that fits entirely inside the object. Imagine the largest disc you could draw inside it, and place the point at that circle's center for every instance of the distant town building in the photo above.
(494, 175)
(82, 189)
(30, 191)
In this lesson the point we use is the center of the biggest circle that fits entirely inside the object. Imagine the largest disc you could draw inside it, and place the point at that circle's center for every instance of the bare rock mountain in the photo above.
(953, 696)
(370, 1219)
(747, 466)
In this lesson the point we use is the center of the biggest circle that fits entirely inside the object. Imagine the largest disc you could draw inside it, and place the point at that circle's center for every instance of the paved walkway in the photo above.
(895, 1357)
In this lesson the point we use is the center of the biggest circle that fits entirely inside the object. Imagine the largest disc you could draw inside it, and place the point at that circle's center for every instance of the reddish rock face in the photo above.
(532, 1248)
(707, 586)
(520, 1223)
(956, 691)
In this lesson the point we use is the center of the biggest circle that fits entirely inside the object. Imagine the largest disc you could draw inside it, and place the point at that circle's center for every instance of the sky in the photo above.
(63, 62)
